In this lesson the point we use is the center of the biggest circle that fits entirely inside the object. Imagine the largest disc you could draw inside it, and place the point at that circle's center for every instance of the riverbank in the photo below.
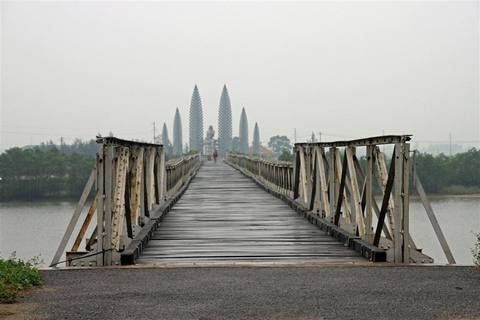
(74, 199)
(317, 292)
(447, 196)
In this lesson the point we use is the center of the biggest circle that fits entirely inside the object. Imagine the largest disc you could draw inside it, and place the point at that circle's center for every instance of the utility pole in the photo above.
(450, 144)
(295, 134)
(154, 132)
(319, 137)
(383, 147)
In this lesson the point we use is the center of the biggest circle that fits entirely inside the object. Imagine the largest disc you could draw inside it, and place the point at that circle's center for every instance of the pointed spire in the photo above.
(256, 140)
(243, 132)
(165, 140)
(224, 122)
(196, 121)
(177, 134)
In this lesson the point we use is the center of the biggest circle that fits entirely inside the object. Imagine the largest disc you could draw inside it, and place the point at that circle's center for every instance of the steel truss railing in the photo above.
(328, 180)
(131, 180)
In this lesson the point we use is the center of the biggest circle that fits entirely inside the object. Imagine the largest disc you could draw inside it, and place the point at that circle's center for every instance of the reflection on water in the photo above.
(459, 219)
(37, 228)
(33, 229)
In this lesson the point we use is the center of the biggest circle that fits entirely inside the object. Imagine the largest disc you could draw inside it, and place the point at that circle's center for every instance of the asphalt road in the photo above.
(315, 292)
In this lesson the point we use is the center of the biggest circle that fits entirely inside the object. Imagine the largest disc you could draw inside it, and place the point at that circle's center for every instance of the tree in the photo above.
(236, 144)
(279, 143)
(286, 155)
(79, 168)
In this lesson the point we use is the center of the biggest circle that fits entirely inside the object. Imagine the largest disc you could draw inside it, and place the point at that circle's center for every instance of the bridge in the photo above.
(319, 208)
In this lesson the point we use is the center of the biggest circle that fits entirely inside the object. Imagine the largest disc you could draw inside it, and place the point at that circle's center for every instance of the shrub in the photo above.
(17, 275)
(476, 250)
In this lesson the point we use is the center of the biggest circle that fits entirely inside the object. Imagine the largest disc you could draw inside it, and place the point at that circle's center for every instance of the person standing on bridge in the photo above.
(215, 156)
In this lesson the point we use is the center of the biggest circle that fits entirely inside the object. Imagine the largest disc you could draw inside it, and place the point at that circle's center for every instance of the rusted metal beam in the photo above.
(360, 142)
(342, 188)
(386, 198)
(85, 224)
(74, 219)
(433, 219)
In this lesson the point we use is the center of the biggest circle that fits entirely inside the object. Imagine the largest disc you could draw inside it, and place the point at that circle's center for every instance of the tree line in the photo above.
(48, 171)
(458, 174)
(441, 174)
(60, 172)
(34, 174)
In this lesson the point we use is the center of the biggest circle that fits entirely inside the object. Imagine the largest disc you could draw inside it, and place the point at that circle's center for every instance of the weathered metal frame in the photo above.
(131, 180)
(337, 189)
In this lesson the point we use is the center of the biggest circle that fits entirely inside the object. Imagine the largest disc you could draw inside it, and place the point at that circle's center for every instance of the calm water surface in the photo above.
(33, 229)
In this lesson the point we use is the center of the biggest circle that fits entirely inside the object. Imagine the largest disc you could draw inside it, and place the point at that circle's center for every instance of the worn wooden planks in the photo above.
(225, 218)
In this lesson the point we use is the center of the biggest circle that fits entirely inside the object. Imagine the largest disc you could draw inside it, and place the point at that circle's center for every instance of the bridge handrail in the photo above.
(338, 189)
(275, 174)
(131, 180)
(179, 170)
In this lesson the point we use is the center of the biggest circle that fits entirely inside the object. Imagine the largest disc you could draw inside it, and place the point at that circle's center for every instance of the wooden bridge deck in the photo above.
(224, 218)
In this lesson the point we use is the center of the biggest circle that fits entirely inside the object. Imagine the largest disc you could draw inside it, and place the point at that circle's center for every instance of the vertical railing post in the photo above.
(109, 187)
(101, 198)
(369, 195)
(161, 176)
(397, 211)
(406, 201)
(332, 177)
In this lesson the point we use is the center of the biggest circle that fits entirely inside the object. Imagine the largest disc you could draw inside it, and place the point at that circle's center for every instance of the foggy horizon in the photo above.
(346, 69)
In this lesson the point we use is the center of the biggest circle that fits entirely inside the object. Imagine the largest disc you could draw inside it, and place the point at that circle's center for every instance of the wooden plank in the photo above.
(225, 218)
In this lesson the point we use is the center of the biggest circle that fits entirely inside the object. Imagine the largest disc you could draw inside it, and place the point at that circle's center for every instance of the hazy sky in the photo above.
(346, 69)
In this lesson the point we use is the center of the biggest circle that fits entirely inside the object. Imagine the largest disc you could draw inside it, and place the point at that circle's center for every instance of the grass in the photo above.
(17, 275)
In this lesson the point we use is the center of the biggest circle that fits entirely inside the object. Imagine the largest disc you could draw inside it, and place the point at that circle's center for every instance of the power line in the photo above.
(68, 135)
(73, 128)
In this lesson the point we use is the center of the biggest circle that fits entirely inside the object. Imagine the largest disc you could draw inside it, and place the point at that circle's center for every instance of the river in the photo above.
(33, 229)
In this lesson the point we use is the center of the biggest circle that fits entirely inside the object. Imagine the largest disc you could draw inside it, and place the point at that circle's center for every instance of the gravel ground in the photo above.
(318, 292)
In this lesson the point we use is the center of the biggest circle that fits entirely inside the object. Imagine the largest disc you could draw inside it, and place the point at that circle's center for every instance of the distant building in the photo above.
(243, 132)
(224, 123)
(262, 151)
(177, 134)
(196, 121)
(209, 141)
(256, 140)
